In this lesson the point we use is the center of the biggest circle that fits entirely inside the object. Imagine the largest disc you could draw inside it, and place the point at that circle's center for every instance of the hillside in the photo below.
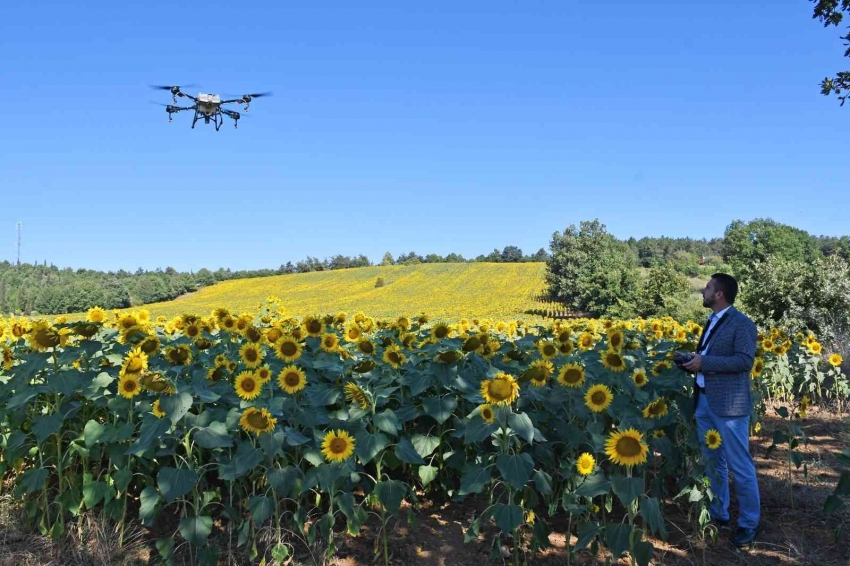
(447, 291)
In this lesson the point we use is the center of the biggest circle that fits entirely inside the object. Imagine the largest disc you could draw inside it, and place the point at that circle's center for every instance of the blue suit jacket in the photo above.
(727, 363)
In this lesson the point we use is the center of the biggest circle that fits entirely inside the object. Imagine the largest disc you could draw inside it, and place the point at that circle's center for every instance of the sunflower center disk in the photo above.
(500, 389)
(338, 445)
(628, 447)
(292, 379)
(258, 420)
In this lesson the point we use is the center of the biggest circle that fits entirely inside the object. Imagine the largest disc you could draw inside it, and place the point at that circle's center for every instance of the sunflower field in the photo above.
(242, 429)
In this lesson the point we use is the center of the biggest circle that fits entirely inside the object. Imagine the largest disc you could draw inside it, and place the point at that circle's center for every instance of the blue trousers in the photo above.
(733, 454)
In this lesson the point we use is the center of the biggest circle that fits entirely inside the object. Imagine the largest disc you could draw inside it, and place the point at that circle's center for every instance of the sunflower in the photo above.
(292, 379)
(661, 367)
(8, 358)
(313, 326)
(128, 385)
(658, 433)
(355, 394)
(217, 372)
(264, 374)
(247, 385)
(366, 346)
(712, 439)
(253, 333)
(135, 362)
(127, 321)
(337, 446)
(566, 348)
(487, 414)
(192, 330)
(502, 389)
(272, 335)
(352, 333)
(150, 345)
(157, 410)
(835, 360)
(287, 349)
(586, 341)
(179, 355)
(758, 367)
(564, 335)
(340, 317)
(96, 314)
(815, 348)
(227, 323)
(615, 339)
(547, 349)
(656, 409)
(43, 335)
(540, 372)
(598, 398)
(394, 357)
(612, 360)
(257, 420)
(585, 464)
(251, 354)
(329, 342)
(403, 322)
(571, 375)
(626, 447)
(639, 377)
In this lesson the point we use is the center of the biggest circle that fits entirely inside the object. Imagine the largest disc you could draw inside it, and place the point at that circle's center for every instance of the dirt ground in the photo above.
(798, 535)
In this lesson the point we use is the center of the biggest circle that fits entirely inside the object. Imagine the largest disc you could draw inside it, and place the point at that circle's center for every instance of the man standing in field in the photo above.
(722, 365)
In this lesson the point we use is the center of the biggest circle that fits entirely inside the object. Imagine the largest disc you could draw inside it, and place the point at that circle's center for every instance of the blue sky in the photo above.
(401, 126)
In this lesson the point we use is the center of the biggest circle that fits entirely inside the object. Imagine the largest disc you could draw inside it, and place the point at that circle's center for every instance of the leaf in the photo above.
(31, 480)
(246, 458)
(473, 479)
(391, 493)
(407, 413)
(280, 552)
(196, 530)
(261, 508)
(45, 425)
(521, 424)
(642, 552)
(174, 483)
(122, 479)
(586, 532)
(93, 493)
(782, 412)
(367, 446)
(65, 382)
(617, 536)
(176, 406)
(149, 499)
(387, 421)
(440, 409)
(478, 430)
(271, 442)
(406, 452)
(507, 517)
(286, 480)
(152, 430)
(321, 395)
(213, 436)
(516, 469)
(24, 397)
(427, 474)
(797, 458)
(295, 438)
(843, 487)
(16, 440)
(543, 482)
(627, 489)
(651, 511)
(425, 444)
(832, 504)
(594, 485)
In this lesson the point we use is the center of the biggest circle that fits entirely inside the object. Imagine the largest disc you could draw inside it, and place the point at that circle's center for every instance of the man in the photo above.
(722, 365)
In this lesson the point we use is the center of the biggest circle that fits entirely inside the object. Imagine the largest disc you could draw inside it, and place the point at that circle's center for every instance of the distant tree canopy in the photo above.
(747, 243)
(831, 13)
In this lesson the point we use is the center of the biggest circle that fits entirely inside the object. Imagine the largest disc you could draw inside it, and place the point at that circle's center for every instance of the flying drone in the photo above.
(207, 106)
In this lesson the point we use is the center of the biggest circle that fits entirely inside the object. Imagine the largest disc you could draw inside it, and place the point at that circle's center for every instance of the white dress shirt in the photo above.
(714, 318)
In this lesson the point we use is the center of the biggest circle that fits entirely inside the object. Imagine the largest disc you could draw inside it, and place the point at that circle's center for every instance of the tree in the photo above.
(454, 258)
(540, 255)
(666, 292)
(511, 254)
(388, 259)
(748, 243)
(495, 256)
(204, 277)
(831, 13)
(589, 270)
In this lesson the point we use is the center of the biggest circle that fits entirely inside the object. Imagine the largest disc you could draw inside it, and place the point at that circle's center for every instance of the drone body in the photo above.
(208, 107)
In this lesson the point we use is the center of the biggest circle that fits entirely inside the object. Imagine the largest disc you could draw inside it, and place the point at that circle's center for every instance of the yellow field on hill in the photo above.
(444, 291)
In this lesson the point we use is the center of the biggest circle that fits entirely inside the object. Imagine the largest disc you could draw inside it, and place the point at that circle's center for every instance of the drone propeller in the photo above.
(172, 88)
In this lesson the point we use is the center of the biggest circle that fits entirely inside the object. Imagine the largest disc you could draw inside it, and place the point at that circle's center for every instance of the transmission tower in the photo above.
(19, 243)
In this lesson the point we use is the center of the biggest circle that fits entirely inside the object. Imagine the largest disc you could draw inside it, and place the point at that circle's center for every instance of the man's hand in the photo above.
(694, 365)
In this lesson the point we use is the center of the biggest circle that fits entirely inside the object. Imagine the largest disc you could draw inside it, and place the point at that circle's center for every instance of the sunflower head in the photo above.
(487, 413)
(273, 334)
(598, 398)
(287, 348)
(639, 377)
(313, 325)
(96, 314)
(758, 367)
(613, 360)
(257, 420)
(366, 346)
(835, 360)
(571, 375)
(441, 330)
(330, 342)
(615, 339)
(656, 409)
(157, 410)
(501, 390)
(586, 341)
(179, 355)
(129, 386)
(712, 439)
(585, 464)
(251, 354)
(248, 385)
(539, 373)
(337, 446)
(626, 447)
(394, 357)
(292, 379)
(356, 394)
(135, 362)
(253, 333)
(547, 349)
(352, 333)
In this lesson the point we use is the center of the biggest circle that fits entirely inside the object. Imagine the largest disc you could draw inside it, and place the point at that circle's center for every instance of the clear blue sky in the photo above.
(409, 126)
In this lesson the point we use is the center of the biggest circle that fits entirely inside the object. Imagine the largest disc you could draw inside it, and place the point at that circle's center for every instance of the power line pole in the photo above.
(19, 243)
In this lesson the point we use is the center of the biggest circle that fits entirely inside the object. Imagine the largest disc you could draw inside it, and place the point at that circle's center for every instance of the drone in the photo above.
(207, 106)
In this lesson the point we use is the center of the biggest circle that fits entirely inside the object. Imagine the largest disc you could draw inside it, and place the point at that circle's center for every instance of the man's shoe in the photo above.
(744, 537)
(722, 526)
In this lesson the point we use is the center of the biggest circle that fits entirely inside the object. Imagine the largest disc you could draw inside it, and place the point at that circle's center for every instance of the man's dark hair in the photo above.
(727, 284)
